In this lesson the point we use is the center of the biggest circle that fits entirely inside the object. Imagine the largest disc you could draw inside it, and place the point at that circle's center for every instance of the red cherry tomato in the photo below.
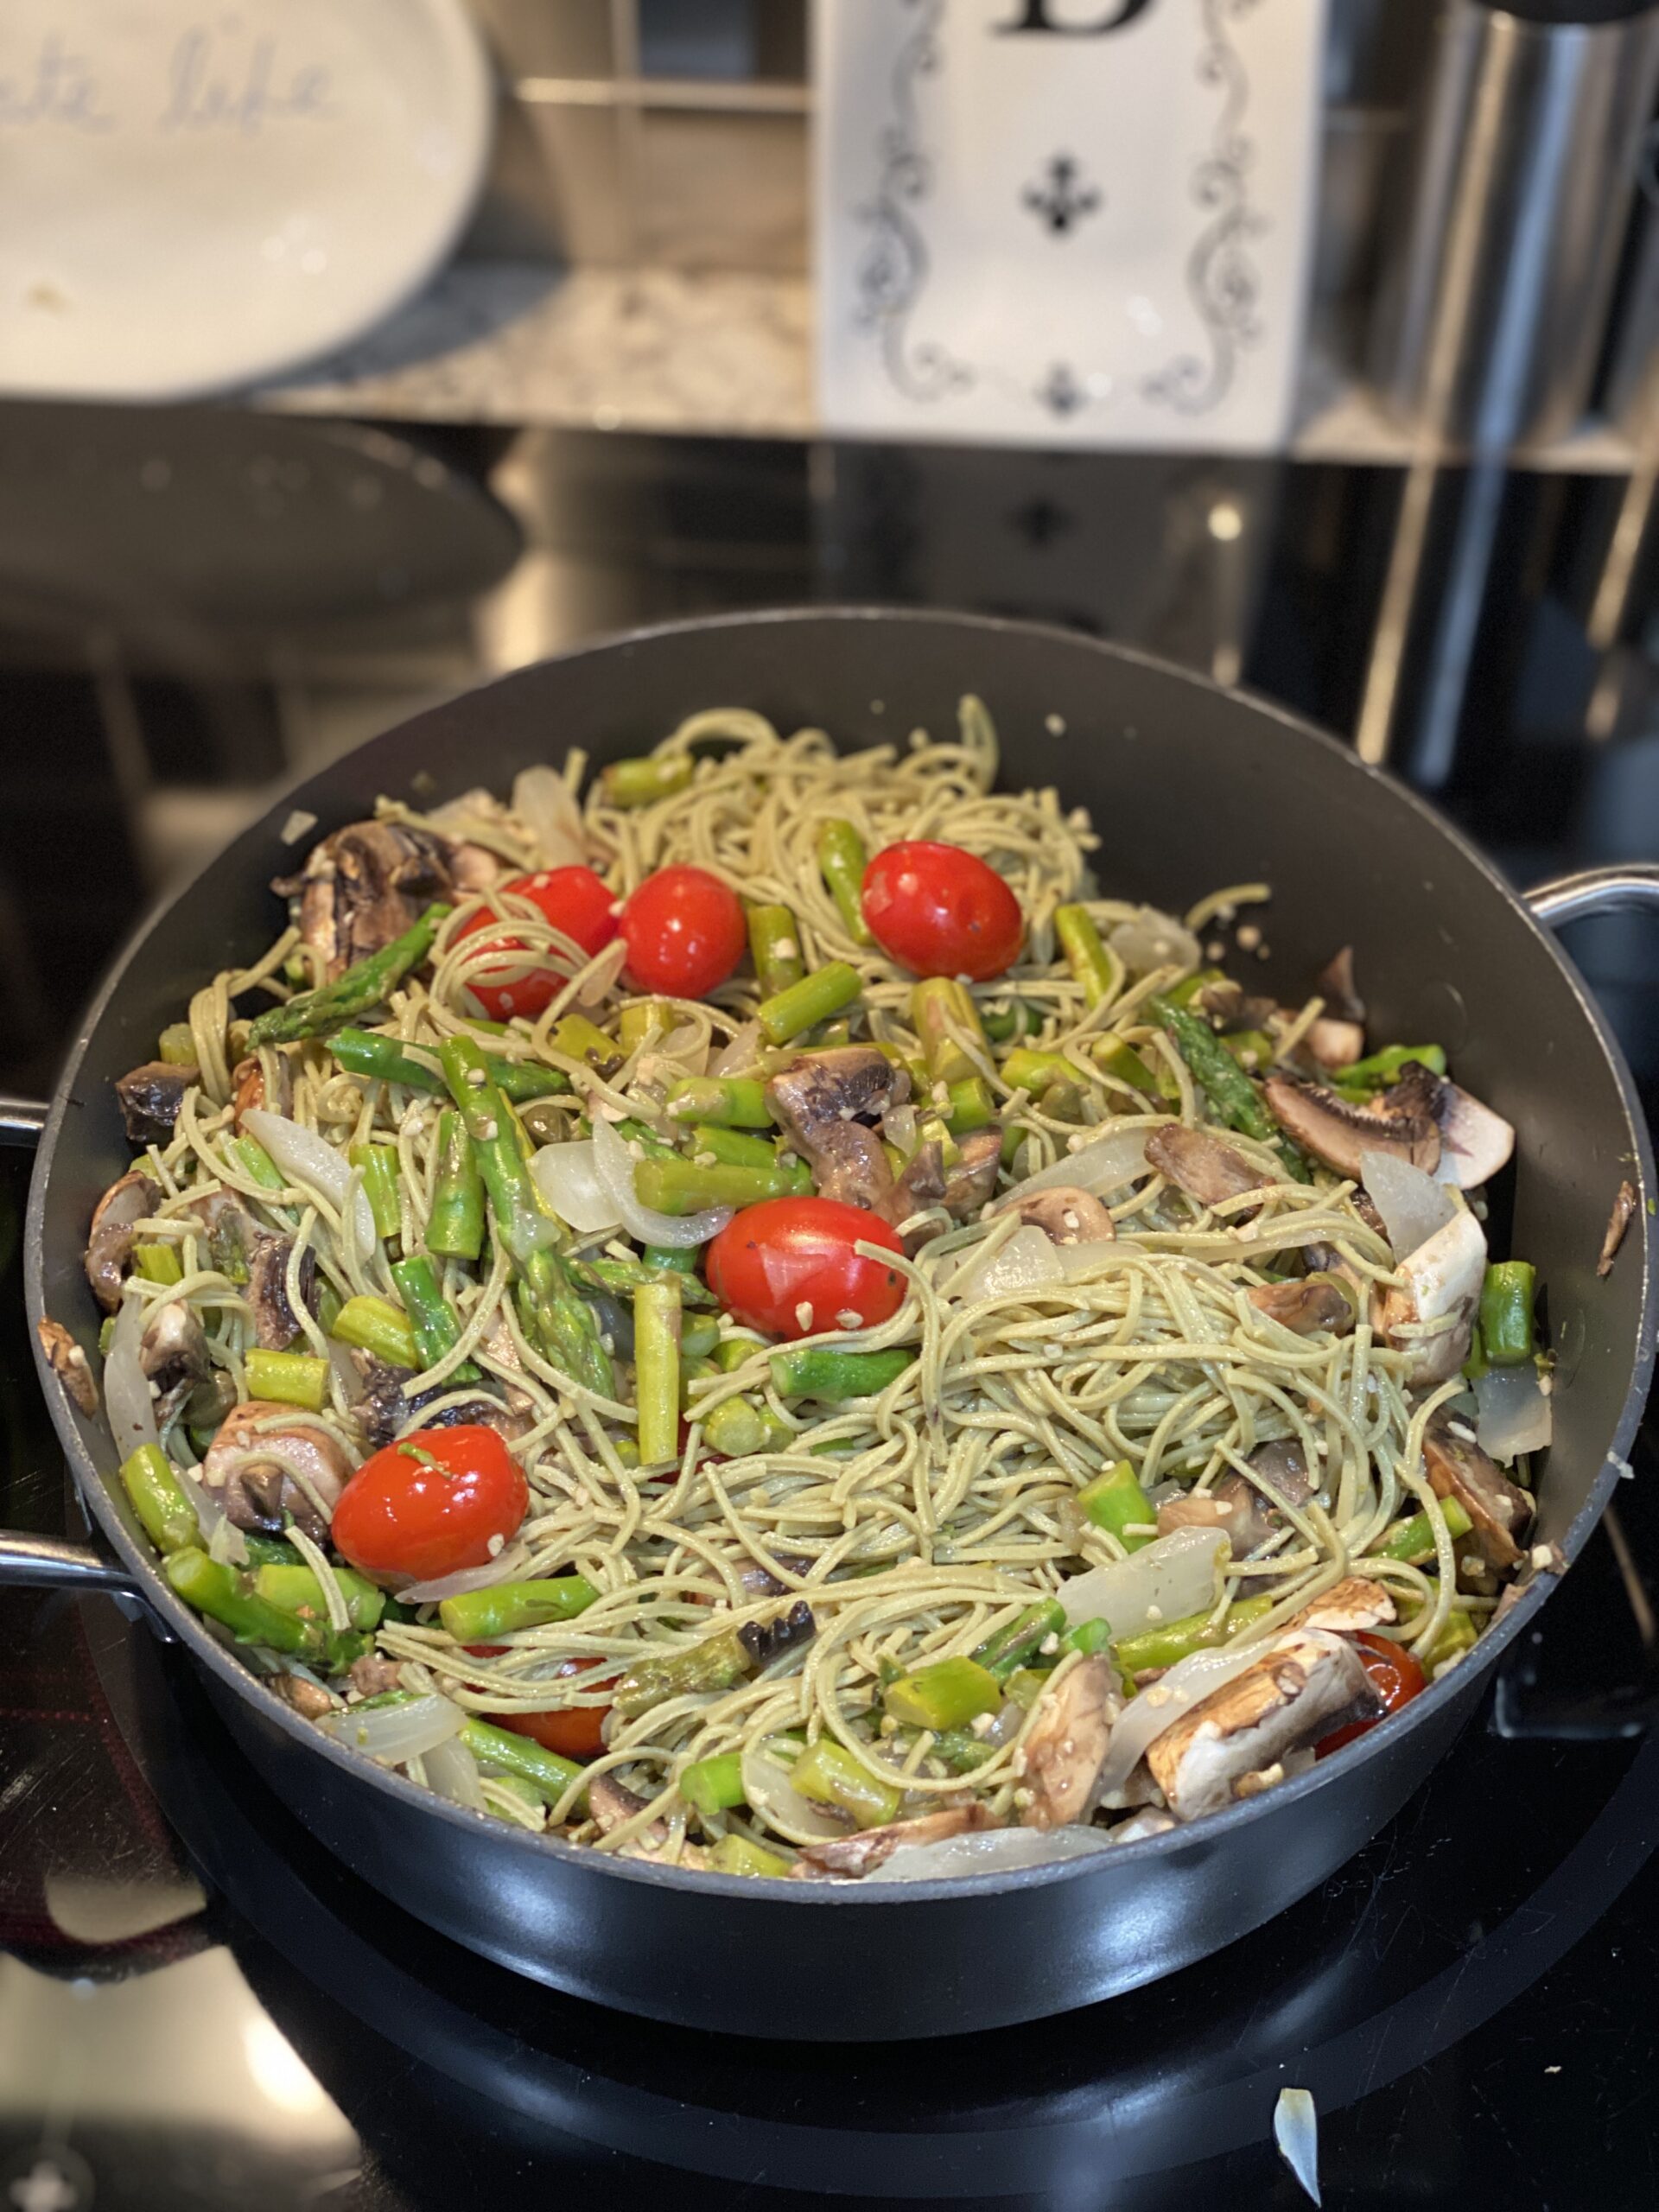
(429, 1504)
(939, 911)
(577, 1733)
(576, 901)
(1396, 1676)
(684, 930)
(788, 1266)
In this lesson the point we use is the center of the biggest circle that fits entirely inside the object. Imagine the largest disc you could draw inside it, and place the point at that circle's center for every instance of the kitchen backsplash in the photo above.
(673, 133)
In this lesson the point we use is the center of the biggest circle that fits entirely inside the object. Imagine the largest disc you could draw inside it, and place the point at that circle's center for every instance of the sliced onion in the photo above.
(347, 1371)
(1103, 1165)
(1413, 1207)
(130, 1409)
(547, 806)
(740, 1053)
(686, 1046)
(304, 1157)
(1079, 1260)
(615, 1163)
(394, 1733)
(767, 1788)
(1165, 1580)
(1025, 1263)
(1149, 940)
(508, 1563)
(1515, 1414)
(988, 1851)
(600, 980)
(568, 1179)
(900, 1127)
(1187, 1683)
(452, 1770)
(1296, 2131)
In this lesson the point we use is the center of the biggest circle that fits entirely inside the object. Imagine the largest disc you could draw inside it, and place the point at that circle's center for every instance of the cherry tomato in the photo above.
(576, 901)
(684, 930)
(788, 1266)
(577, 1733)
(1396, 1676)
(429, 1504)
(939, 911)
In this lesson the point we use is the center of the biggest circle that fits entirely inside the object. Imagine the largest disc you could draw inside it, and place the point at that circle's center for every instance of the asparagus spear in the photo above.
(364, 984)
(717, 1662)
(1116, 1501)
(820, 1372)
(375, 1325)
(729, 1102)
(1099, 972)
(454, 1228)
(382, 1059)
(479, 1616)
(159, 1499)
(775, 948)
(435, 1327)
(641, 782)
(812, 999)
(657, 1369)
(288, 1378)
(680, 1186)
(380, 1179)
(841, 863)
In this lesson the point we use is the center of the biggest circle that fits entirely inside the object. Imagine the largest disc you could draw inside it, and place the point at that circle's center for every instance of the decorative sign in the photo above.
(196, 196)
(1078, 222)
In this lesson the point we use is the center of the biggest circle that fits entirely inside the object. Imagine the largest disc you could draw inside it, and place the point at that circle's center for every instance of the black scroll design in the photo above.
(894, 269)
(1222, 280)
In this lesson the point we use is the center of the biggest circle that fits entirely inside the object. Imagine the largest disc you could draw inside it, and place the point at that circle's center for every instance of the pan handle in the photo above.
(1632, 885)
(21, 1121)
(52, 1563)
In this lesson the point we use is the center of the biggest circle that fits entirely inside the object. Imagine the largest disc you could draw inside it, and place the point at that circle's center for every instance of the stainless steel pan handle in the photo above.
(1632, 887)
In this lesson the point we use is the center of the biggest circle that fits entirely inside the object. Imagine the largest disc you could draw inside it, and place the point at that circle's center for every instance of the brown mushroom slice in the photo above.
(1306, 1306)
(827, 1105)
(971, 1182)
(249, 1088)
(1624, 1205)
(68, 1363)
(264, 1472)
(1066, 1214)
(1233, 1505)
(1457, 1467)
(610, 1802)
(366, 885)
(1442, 1278)
(1347, 1606)
(1202, 1166)
(1282, 1465)
(109, 1247)
(150, 1097)
(1303, 1685)
(173, 1356)
(1335, 984)
(1475, 1143)
(275, 1324)
(308, 1699)
(1337, 1133)
(852, 1855)
(1068, 1743)
(373, 1675)
(1333, 1042)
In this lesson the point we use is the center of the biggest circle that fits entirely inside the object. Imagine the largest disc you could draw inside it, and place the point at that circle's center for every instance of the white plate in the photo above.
(195, 197)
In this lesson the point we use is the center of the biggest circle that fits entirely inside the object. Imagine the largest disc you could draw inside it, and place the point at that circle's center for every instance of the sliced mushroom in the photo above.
(1337, 1133)
(173, 1356)
(1335, 985)
(150, 1097)
(1234, 1505)
(1335, 1043)
(1304, 1684)
(109, 1248)
(828, 1105)
(374, 1676)
(248, 1079)
(1457, 1467)
(1442, 1277)
(1202, 1166)
(768, 1640)
(1619, 1221)
(265, 1472)
(308, 1699)
(1306, 1306)
(68, 1363)
(1474, 1142)
(610, 1802)
(366, 885)
(1151, 1820)
(970, 1184)
(853, 1855)
(1282, 1465)
(1347, 1606)
(1066, 1748)
(1066, 1215)
(274, 1322)
(384, 1408)
(1231, 1007)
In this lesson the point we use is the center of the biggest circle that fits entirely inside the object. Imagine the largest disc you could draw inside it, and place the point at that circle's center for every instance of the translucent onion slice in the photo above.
(452, 1770)
(1027, 1261)
(547, 806)
(1165, 1580)
(568, 1179)
(740, 1053)
(1296, 2131)
(769, 1790)
(988, 1851)
(304, 1157)
(1413, 1207)
(1112, 1158)
(1187, 1683)
(507, 1565)
(394, 1733)
(1080, 1260)
(130, 1409)
(1149, 940)
(615, 1164)
(1515, 1414)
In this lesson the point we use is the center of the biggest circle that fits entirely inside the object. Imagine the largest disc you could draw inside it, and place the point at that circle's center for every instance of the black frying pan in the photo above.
(1191, 787)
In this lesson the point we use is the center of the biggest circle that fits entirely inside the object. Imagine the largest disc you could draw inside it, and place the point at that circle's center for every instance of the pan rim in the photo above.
(187, 1627)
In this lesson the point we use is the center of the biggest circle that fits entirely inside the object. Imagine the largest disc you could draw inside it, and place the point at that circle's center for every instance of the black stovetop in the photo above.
(199, 2009)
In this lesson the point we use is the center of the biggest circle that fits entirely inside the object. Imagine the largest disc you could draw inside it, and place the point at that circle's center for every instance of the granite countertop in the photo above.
(718, 353)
